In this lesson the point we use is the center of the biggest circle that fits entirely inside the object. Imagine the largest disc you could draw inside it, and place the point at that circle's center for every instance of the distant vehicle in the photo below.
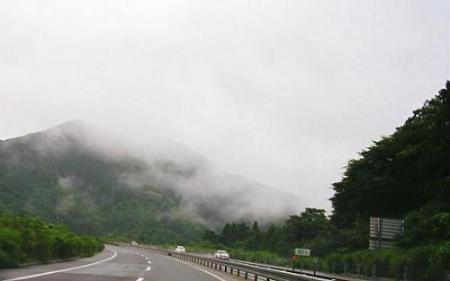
(180, 249)
(134, 243)
(222, 254)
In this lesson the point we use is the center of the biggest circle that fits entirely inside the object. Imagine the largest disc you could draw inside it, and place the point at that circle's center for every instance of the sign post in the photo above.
(295, 258)
(297, 253)
(315, 264)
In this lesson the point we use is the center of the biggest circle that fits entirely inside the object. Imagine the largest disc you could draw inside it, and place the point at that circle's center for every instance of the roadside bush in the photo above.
(258, 256)
(421, 263)
(28, 240)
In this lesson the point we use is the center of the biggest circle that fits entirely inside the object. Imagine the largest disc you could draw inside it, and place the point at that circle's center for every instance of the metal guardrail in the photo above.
(321, 274)
(247, 271)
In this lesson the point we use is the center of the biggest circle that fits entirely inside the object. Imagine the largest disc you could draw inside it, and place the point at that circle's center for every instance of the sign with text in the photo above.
(383, 232)
(302, 252)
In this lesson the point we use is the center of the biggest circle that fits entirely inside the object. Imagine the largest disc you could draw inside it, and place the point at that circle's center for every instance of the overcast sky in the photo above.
(281, 92)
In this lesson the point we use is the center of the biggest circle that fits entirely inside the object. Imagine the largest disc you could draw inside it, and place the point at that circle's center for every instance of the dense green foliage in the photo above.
(423, 252)
(25, 240)
(62, 178)
(405, 175)
(406, 171)
(311, 229)
(419, 263)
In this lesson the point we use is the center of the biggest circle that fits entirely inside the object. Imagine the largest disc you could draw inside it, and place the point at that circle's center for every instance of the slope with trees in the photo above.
(405, 175)
(24, 240)
(62, 178)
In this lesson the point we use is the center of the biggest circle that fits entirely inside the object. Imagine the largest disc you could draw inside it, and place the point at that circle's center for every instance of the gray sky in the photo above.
(281, 92)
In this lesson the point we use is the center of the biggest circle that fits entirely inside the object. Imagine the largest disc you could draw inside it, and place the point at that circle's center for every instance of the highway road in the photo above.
(118, 264)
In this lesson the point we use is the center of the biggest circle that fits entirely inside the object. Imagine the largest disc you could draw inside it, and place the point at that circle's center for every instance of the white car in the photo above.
(222, 254)
(180, 249)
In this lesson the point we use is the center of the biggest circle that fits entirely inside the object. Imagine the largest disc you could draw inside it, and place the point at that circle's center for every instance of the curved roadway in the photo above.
(117, 264)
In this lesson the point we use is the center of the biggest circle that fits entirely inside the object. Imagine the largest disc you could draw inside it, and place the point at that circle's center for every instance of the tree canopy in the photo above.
(407, 170)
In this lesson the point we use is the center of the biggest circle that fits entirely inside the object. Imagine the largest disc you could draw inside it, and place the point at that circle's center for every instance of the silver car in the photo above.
(222, 254)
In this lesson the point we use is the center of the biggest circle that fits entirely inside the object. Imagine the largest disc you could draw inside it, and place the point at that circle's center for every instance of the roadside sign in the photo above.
(302, 252)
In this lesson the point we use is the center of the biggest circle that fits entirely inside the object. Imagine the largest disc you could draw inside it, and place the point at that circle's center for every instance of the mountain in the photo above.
(100, 184)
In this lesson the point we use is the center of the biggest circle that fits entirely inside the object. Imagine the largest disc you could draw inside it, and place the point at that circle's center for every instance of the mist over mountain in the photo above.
(102, 184)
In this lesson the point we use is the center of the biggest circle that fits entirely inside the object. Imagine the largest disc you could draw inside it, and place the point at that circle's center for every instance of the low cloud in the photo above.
(205, 195)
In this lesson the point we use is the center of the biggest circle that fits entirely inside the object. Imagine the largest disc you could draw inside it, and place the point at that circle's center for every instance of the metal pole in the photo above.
(405, 273)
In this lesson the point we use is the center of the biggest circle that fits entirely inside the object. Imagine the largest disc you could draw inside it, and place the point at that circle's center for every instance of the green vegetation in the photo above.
(62, 179)
(24, 240)
(405, 175)
(420, 263)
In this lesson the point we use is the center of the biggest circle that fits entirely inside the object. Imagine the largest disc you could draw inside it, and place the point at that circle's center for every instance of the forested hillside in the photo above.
(100, 184)
(59, 176)
(405, 175)
(406, 171)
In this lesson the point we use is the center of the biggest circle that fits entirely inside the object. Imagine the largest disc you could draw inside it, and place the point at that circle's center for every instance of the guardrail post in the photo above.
(246, 275)
(256, 277)
(239, 273)
(231, 270)
(225, 268)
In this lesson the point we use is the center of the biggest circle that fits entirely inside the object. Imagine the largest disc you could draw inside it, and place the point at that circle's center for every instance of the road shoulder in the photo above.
(6, 274)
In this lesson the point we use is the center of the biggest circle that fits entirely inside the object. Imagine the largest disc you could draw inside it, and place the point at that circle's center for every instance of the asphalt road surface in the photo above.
(117, 264)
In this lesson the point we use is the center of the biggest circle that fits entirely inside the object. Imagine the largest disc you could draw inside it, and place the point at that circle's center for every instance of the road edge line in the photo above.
(65, 269)
(201, 269)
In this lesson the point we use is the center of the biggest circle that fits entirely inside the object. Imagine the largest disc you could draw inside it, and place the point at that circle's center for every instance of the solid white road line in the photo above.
(65, 269)
(207, 272)
(201, 269)
(148, 268)
(140, 279)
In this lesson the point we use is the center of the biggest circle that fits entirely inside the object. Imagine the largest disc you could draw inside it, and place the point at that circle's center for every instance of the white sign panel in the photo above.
(302, 252)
